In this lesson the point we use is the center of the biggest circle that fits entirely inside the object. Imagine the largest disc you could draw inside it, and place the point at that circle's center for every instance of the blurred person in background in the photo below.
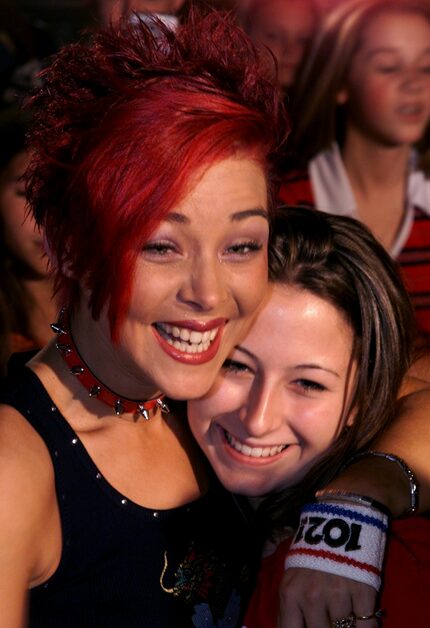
(27, 305)
(113, 10)
(25, 46)
(361, 130)
(286, 27)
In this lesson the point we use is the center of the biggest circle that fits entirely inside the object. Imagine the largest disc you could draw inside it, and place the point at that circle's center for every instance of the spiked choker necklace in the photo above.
(77, 366)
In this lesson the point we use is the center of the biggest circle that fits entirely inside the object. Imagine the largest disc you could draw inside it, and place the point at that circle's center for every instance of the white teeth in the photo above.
(186, 340)
(185, 334)
(195, 337)
(253, 452)
(410, 109)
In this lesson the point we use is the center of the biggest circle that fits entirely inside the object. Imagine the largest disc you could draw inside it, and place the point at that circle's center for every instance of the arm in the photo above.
(312, 598)
(24, 497)
(408, 437)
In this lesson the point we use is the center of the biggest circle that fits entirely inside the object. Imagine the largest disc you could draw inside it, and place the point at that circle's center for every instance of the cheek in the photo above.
(322, 428)
(17, 233)
(220, 405)
(198, 420)
(371, 99)
(251, 289)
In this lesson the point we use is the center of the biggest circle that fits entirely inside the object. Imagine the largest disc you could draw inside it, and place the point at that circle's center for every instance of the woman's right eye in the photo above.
(387, 69)
(158, 248)
(233, 366)
(309, 385)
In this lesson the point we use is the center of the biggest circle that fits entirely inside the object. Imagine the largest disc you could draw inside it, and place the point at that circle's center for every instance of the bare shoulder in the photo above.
(27, 506)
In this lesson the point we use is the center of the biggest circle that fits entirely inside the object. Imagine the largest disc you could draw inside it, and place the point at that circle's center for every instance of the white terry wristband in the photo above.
(341, 538)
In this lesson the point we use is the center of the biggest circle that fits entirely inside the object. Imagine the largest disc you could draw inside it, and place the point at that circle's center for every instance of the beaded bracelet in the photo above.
(407, 472)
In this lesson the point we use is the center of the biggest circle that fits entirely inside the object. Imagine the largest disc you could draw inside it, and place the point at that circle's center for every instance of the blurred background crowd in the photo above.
(356, 78)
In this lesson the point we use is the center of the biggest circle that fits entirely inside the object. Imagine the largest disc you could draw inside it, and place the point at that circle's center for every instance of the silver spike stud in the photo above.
(57, 328)
(77, 370)
(143, 411)
(163, 406)
(118, 407)
(94, 391)
(65, 349)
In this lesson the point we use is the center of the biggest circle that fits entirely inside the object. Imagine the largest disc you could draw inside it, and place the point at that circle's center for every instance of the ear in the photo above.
(342, 96)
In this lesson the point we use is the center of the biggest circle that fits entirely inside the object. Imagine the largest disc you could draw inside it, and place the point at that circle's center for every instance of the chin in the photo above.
(186, 388)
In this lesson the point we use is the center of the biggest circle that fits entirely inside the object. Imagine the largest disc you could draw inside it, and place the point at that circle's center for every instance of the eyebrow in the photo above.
(316, 367)
(245, 351)
(390, 50)
(297, 367)
(179, 218)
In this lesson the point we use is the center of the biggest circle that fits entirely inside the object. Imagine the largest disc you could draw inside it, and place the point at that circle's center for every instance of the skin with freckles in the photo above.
(204, 270)
(280, 399)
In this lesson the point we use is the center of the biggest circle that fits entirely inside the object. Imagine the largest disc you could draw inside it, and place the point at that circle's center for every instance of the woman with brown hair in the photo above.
(292, 407)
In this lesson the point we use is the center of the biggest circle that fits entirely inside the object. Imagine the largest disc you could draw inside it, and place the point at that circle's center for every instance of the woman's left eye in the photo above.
(157, 248)
(388, 69)
(309, 385)
(245, 248)
(233, 366)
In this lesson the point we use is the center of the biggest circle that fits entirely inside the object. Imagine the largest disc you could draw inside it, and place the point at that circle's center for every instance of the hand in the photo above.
(314, 599)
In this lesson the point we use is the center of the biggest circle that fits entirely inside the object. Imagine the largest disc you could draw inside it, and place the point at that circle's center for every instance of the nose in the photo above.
(204, 286)
(413, 80)
(264, 411)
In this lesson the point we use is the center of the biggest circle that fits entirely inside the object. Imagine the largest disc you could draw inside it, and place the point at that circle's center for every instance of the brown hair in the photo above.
(340, 261)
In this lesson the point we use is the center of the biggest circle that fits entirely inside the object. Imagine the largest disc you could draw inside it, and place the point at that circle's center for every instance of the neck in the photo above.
(94, 387)
(371, 165)
(108, 360)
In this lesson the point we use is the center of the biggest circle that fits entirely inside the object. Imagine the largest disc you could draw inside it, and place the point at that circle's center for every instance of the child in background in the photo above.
(286, 27)
(361, 124)
(27, 305)
(290, 408)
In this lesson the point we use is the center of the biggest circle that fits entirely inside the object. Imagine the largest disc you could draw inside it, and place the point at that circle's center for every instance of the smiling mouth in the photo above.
(187, 340)
(410, 110)
(253, 452)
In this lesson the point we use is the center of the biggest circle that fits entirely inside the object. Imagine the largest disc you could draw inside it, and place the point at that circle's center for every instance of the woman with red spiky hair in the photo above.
(153, 177)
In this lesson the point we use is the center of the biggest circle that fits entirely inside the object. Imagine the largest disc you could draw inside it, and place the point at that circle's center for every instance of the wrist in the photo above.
(378, 479)
(342, 538)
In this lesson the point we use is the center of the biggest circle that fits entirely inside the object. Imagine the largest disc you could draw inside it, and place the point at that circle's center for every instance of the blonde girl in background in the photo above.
(361, 128)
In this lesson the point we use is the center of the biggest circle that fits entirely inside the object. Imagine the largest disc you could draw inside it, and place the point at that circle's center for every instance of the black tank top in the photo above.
(123, 565)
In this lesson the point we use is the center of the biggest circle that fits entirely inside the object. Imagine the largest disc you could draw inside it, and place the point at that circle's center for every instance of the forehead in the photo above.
(238, 182)
(300, 323)
(392, 27)
(286, 13)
